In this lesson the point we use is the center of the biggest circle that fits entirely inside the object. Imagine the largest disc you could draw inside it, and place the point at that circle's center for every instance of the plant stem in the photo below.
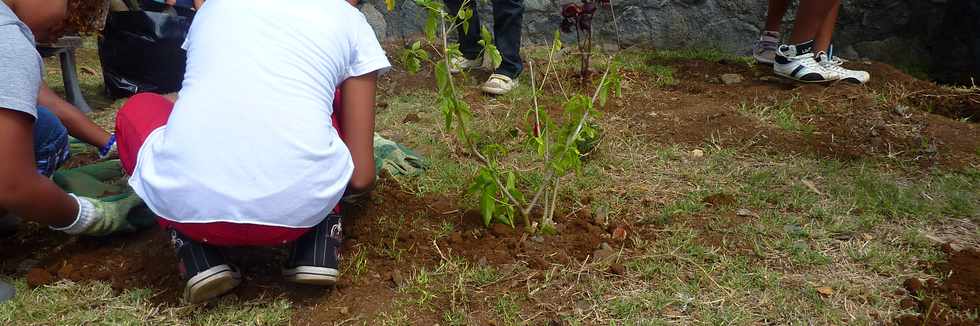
(612, 10)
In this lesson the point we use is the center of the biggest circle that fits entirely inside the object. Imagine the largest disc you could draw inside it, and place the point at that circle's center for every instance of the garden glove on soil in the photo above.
(396, 159)
(100, 217)
(91, 180)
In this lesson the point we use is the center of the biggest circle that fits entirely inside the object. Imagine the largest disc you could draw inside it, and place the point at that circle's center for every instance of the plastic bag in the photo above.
(141, 51)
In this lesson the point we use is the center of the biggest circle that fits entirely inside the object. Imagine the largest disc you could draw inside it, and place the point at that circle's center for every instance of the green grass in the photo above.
(707, 54)
(68, 303)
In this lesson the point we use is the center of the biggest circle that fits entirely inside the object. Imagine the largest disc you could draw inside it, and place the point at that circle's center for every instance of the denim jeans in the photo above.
(50, 142)
(508, 17)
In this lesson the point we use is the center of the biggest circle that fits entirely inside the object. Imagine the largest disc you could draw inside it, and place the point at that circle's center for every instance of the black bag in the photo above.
(140, 52)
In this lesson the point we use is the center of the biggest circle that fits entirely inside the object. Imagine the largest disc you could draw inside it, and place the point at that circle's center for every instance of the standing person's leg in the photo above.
(764, 49)
(774, 16)
(826, 33)
(468, 42)
(824, 56)
(796, 60)
(508, 21)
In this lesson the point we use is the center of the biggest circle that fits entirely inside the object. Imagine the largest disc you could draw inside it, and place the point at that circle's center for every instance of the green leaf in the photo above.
(464, 16)
(390, 4)
(442, 76)
(417, 45)
(487, 204)
(556, 45)
(489, 49)
(431, 25)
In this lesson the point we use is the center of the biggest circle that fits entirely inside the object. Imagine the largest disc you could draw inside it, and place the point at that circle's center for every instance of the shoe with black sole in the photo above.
(315, 257)
(797, 62)
(836, 65)
(207, 273)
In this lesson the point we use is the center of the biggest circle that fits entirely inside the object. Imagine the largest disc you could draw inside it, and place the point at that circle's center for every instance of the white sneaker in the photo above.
(764, 50)
(801, 67)
(458, 64)
(499, 84)
(835, 64)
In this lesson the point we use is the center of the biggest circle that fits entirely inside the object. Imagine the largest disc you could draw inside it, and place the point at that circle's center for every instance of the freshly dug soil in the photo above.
(944, 302)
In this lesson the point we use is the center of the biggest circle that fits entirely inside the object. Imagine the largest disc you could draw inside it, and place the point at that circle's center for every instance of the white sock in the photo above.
(86, 215)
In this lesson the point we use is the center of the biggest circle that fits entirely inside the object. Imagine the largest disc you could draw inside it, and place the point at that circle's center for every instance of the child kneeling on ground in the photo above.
(247, 156)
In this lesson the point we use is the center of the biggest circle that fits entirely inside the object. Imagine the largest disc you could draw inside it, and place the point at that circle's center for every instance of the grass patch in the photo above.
(69, 303)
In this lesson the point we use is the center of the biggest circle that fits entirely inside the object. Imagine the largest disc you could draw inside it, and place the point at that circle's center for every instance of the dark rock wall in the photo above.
(938, 37)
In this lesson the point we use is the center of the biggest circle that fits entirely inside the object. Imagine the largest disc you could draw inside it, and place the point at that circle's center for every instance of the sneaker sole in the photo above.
(805, 81)
(211, 283)
(311, 275)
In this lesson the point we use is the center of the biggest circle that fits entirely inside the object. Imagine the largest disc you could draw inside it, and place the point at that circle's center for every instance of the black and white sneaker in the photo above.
(208, 275)
(835, 64)
(798, 63)
(315, 257)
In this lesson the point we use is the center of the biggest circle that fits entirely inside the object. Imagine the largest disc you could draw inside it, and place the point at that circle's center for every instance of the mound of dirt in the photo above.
(936, 301)
(893, 116)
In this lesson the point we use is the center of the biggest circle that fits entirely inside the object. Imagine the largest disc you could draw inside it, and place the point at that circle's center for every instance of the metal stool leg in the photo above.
(73, 93)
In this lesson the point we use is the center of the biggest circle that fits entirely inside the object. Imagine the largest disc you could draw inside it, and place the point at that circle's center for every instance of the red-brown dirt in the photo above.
(394, 231)
(943, 302)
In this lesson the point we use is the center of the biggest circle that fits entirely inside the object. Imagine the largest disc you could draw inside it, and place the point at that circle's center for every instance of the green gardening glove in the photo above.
(116, 214)
(396, 159)
(90, 180)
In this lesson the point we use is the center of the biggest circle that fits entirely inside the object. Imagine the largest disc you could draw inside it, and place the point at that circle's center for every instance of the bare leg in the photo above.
(826, 33)
(774, 16)
(810, 18)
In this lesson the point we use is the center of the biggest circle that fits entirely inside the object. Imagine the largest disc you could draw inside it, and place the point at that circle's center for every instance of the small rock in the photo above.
(411, 118)
(605, 246)
(601, 254)
(396, 279)
(770, 79)
(619, 233)
(825, 291)
(730, 79)
(913, 285)
(600, 215)
(38, 277)
(617, 269)
(538, 239)
(902, 109)
(482, 261)
(744, 212)
(697, 153)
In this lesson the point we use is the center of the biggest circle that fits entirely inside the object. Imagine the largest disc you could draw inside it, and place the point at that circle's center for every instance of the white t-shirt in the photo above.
(250, 138)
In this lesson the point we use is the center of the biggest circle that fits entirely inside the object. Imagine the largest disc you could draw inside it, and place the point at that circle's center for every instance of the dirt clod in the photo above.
(38, 277)
(719, 200)
(455, 238)
(619, 233)
(617, 269)
(500, 230)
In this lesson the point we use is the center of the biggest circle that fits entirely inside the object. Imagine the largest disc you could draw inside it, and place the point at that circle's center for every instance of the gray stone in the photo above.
(907, 33)
(376, 20)
(730, 79)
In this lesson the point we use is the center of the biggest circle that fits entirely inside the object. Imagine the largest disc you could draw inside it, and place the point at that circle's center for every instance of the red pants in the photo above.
(146, 112)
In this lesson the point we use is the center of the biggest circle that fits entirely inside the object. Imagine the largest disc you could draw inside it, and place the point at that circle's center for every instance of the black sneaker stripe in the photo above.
(228, 269)
(796, 71)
